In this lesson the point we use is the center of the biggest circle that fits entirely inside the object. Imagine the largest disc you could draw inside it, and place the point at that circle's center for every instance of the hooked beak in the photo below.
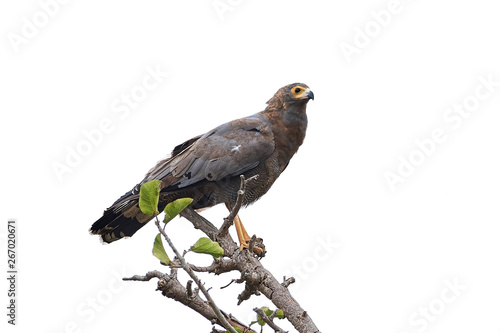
(309, 94)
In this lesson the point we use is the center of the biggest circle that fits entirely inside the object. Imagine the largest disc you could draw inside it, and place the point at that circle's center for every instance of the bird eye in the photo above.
(297, 90)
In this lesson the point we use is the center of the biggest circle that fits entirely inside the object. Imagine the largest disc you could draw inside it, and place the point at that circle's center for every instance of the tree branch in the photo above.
(217, 267)
(268, 320)
(199, 222)
(287, 282)
(172, 288)
(200, 285)
(257, 280)
(147, 277)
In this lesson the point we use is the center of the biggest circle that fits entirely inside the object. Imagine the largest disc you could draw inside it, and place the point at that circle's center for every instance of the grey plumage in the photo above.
(207, 167)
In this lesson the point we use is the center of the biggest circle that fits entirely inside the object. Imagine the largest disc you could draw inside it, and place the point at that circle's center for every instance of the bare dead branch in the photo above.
(232, 281)
(217, 267)
(189, 288)
(199, 222)
(147, 277)
(287, 282)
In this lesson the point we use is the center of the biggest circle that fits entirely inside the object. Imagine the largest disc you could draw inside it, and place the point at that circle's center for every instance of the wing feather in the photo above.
(229, 150)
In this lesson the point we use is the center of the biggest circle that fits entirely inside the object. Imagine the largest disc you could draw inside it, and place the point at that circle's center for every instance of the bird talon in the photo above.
(258, 246)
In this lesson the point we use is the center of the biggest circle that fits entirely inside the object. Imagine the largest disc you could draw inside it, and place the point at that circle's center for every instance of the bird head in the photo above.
(291, 95)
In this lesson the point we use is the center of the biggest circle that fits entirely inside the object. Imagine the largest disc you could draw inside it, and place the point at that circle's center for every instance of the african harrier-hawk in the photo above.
(207, 168)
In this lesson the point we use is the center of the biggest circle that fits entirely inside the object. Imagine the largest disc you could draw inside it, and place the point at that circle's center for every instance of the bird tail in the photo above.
(121, 220)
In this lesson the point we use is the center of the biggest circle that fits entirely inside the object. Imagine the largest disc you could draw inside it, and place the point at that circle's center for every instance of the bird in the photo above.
(208, 167)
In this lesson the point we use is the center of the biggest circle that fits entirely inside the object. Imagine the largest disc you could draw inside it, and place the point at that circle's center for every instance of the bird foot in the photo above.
(255, 245)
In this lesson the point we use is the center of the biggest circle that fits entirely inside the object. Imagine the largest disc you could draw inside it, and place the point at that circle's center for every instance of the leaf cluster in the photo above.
(149, 196)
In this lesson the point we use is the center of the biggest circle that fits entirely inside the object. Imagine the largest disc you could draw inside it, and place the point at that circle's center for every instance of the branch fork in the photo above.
(257, 280)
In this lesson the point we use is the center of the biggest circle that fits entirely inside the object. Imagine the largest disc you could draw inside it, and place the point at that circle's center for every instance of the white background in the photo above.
(396, 249)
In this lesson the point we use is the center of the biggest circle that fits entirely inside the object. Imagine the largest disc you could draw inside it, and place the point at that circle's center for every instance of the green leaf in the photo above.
(237, 330)
(175, 207)
(267, 311)
(205, 245)
(149, 196)
(159, 251)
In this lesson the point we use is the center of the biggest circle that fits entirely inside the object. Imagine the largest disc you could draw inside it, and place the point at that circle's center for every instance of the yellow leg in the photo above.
(244, 238)
(242, 233)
